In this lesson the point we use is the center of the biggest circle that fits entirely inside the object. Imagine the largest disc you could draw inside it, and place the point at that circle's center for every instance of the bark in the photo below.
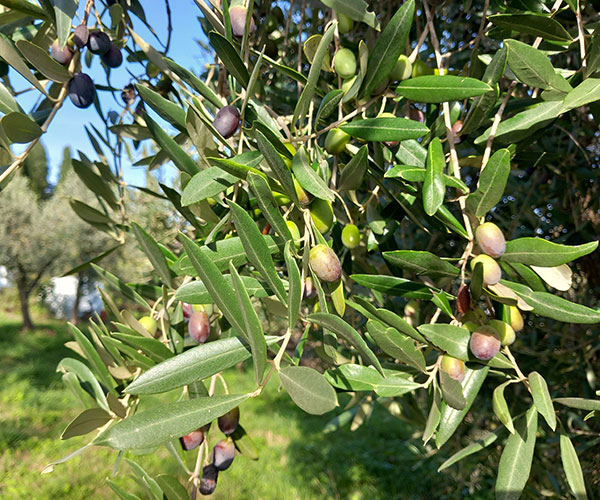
(75, 315)
(24, 292)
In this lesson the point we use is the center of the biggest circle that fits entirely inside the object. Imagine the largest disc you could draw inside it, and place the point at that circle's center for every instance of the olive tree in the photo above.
(403, 187)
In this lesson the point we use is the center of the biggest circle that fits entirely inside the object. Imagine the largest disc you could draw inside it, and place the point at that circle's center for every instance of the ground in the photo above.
(297, 461)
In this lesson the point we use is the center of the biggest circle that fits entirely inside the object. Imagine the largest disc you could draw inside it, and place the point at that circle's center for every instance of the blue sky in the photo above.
(67, 128)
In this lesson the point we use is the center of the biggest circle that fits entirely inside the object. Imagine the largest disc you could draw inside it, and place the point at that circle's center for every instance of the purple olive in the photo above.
(188, 310)
(192, 440)
(208, 482)
(82, 91)
(62, 56)
(228, 423)
(227, 120)
(199, 326)
(81, 35)
(484, 343)
(223, 454)
(237, 15)
(113, 58)
(99, 43)
(490, 239)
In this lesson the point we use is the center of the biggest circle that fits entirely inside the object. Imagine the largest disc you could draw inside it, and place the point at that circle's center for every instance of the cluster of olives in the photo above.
(222, 454)
(82, 91)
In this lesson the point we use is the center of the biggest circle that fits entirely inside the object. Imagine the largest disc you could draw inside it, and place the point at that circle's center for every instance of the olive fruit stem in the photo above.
(522, 377)
(434, 369)
(286, 339)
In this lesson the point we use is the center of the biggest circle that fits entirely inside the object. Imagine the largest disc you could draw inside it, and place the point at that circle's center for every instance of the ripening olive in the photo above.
(490, 239)
(62, 56)
(350, 236)
(81, 35)
(82, 91)
(187, 309)
(295, 232)
(412, 308)
(344, 63)
(336, 140)
(321, 213)
(345, 23)
(484, 343)
(113, 58)
(419, 68)
(453, 367)
(325, 263)
(208, 482)
(192, 440)
(402, 70)
(516, 319)
(223, 454)
(505, 331)
(491, 270)
(227, 120)
(237, 15)
(149, 324)
(199, 326)
(128, 95)
(152, 70)
(471, 325)
(99, 43)
(228, 423)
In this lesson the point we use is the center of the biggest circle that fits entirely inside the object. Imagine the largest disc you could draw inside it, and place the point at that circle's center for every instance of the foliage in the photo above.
(487, 130)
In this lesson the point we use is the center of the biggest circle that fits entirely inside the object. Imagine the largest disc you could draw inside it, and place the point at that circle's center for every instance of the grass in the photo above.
(297, 461)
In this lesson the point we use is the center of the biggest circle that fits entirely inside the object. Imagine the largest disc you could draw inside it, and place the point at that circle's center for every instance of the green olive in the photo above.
(516, 319)
(419, 68)
(344, 63)
(505, 331)
(491, 270)
(402, 70)
(149, 324)
(336, 141)
(321, 213)
(301, 194)
(152, 70)
(345, 23)
(350, 236)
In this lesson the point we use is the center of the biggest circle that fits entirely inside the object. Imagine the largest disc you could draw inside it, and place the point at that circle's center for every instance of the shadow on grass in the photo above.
(32, 355)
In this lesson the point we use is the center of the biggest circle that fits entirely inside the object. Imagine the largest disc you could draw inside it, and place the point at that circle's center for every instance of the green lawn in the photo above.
(297, 460)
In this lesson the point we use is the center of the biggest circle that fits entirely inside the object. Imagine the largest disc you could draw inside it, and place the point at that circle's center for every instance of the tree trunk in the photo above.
(24, 299)
(75, 315)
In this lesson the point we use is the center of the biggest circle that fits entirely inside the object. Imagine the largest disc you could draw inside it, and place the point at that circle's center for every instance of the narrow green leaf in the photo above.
(93, 260)
(354, 9)
(206, 184)
(313, 76)
(422, 263)
(328, 105)
(580, 403)
(308, 389)
(392, 285)
(434, 187)
(352, 377)
(452, 339)
(194, 82)
(501, 408)
(94, 182)
(452, 391)
(257, 249)
(544, 253)
(393, 386)
(586, 92)
(86, 378)
(153, 252)
(195, 292)
(87, 421)
(166, 109)
(515, 462)
(451, 418)
(244, 443)
(64, 11)
(171, 487)
(396, 345)
(542, 399)
(230, 57)
(278, 167)
(268, 205)
(13, 58)
(192, 365)
(433, 419)
(388, 47)
(308, 178)
(89, 214)
(19, 128)
(167, 421)
(354, 171)
(295, 286)
(572, 467)
(492, 184)
(254, 331)
(472, 448)
(342, 329)
(41, 61)
(531, 66)
(220, 290)
(537, 25)
(25, 7)
(385, 129)
(435, 89)
(121, 287)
